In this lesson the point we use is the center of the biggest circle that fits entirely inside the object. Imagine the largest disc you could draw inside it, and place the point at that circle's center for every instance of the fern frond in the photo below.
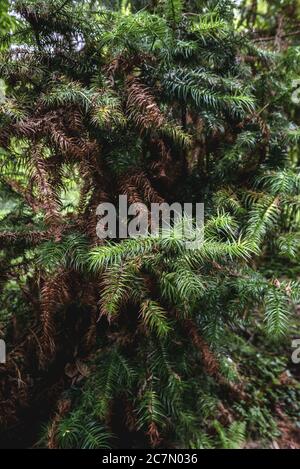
(117, 284)
(263, 217)
(281, 182)
(154, 317)
(209, 26)
(277, 313)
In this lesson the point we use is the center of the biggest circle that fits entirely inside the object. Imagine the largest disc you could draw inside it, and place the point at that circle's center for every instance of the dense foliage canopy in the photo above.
(143, 342)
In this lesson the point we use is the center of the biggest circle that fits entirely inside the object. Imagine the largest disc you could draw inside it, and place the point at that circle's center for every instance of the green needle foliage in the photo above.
(134, 341)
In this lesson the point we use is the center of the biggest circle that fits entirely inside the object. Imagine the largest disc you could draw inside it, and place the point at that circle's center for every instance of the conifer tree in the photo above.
(129, 342)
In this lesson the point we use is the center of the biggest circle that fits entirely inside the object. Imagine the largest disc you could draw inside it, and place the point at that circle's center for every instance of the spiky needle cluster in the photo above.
(160, 105)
